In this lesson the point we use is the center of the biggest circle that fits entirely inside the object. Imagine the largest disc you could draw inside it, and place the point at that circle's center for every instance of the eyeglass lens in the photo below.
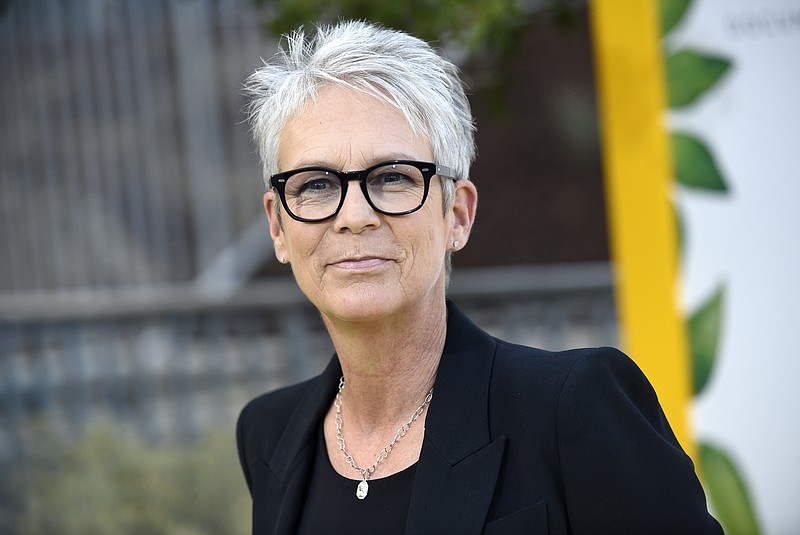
(393, 188)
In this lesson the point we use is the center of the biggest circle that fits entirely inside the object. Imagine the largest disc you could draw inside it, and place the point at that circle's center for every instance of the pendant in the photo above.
(362, 490)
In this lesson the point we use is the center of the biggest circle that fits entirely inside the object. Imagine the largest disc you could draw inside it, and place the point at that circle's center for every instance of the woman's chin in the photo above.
(362, 302)
(384, 295)
(369, 302)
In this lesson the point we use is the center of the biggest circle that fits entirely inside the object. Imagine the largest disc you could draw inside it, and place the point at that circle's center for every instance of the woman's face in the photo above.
(361, 265)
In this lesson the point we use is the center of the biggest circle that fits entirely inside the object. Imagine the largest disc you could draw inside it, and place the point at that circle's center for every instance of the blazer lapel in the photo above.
(293, 458)
(459, 463)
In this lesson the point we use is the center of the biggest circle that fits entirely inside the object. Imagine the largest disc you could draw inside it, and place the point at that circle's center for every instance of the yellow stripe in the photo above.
(639, 187)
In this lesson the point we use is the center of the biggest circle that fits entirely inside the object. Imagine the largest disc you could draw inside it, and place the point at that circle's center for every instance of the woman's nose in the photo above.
(356, 214)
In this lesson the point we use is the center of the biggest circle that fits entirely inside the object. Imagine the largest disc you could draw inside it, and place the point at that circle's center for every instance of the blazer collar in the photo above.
(292, 459)
(459, 463)
(302, 428)
(458, 417)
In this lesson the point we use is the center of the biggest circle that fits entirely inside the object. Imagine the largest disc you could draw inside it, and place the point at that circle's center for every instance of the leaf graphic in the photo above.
(727, 492)
(704, 329)
(690, 74)
(680, 230)
(672, 12)
(694, 164)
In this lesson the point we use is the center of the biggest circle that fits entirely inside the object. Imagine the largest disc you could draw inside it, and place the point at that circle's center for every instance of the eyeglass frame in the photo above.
(428, 170)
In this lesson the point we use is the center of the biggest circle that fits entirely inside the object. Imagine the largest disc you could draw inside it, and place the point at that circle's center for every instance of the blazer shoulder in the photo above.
(542, 378)
(273, 428)
(580, 362)
(272, 409)
(617, 447)
(261, 423)
(600, 375)
(622, 469)
(567, 357)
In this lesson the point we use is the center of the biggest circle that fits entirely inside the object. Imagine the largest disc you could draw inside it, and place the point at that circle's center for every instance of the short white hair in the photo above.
(398, 68)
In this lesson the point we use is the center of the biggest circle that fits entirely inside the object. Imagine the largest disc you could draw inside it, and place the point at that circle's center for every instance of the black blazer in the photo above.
(517, 440)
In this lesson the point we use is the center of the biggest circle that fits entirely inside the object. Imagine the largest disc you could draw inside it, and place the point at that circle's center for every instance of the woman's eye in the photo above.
(315, 185)
(392, 178)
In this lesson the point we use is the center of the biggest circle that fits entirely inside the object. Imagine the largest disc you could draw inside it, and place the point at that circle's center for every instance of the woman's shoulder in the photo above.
(264, 420)
(275, 405)
(600, 384)
(577, 362)
(569, 376)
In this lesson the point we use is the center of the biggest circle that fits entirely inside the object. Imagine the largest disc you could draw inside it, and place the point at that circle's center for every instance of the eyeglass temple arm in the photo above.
(443, 170)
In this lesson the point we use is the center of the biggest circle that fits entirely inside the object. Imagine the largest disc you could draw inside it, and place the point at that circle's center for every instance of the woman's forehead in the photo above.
(346, 127)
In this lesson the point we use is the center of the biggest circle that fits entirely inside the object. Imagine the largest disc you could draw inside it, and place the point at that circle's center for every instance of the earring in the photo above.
(282, 259)
(455, 243)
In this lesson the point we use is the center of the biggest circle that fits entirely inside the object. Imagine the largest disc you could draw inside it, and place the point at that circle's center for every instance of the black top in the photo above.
(331, 505)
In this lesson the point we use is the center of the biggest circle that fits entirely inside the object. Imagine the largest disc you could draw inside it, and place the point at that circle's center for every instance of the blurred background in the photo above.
(141, 305)
(140, 302)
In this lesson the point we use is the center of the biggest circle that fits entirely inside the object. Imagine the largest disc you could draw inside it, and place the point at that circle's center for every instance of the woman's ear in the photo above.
(275, 225)
(465, 203)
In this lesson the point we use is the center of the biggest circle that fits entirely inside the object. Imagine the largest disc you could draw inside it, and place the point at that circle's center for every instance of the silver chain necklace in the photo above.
(366, 473)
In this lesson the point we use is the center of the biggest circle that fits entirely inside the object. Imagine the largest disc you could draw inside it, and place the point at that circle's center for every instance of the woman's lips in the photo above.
(360, 263)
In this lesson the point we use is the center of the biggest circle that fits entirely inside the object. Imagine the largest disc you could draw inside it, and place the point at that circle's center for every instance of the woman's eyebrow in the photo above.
(388, 157)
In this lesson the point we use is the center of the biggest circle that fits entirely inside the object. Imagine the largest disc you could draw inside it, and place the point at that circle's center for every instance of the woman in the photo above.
(422, 422)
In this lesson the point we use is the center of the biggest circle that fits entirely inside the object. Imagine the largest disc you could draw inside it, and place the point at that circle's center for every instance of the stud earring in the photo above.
(282, 259)
(455, 243)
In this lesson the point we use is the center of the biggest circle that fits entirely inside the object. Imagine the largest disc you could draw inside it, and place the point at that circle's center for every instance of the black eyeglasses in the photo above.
(397, 187)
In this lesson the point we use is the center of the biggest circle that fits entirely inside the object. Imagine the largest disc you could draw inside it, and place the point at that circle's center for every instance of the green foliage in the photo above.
(477, 25)
(727, 492)
(694, 165)
(704, 328)
(487, 32)
(690, 74)
(671, 13)
(110, 484)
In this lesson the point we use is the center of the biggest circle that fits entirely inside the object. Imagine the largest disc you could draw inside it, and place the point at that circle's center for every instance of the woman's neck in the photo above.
(388, 365)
